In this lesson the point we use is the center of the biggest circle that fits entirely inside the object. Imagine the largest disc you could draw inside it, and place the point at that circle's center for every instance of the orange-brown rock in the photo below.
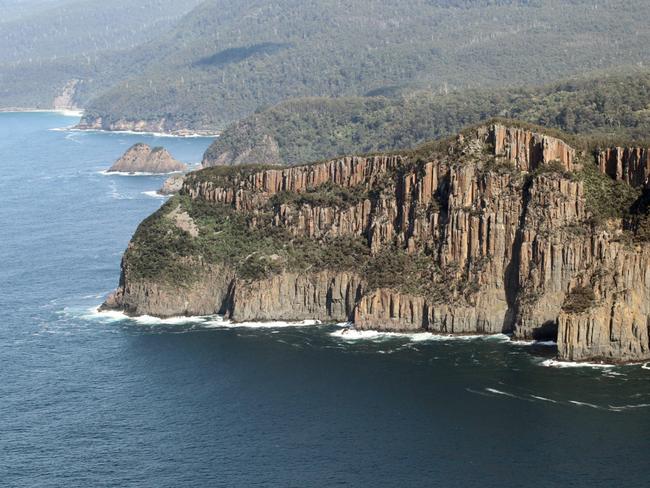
(141, 158)
(628, 164)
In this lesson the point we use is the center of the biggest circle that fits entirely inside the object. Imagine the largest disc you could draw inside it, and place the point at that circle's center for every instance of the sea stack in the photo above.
(141, 158)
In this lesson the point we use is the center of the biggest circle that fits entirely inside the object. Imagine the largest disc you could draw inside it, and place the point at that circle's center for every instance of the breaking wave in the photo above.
(351, 334)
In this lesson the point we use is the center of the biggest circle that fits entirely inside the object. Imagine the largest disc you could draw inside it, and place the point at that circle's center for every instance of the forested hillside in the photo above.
(226, 58)
(46, 44)
(603, 106)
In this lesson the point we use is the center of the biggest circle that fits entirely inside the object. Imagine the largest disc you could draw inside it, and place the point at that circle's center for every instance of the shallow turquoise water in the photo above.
(92, 400)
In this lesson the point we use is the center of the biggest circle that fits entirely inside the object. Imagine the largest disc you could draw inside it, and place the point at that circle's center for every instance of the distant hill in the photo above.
(309, 129)
(45, 44)
(226, 58)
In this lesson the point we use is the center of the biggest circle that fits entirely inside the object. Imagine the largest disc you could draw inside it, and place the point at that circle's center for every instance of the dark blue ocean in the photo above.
(90, 400)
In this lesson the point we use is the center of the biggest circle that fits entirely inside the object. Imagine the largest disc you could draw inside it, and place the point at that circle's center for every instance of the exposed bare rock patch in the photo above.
(141, 158)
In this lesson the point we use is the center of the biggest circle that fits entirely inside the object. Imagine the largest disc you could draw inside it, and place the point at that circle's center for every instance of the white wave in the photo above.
(351, 334)
(105, 172)
(645, 366)
(221, 323)
(64, 112)
(191, 135)
(585, 404)
(358, 335)
(544, 399)
(155, 194)
(620, 408)
(554, 363)
(106, 315)
(70, 113)
(533, 343)
(499, 392)
(116, 315)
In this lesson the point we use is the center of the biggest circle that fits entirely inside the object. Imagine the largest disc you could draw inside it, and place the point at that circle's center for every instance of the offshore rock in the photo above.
(141, 158)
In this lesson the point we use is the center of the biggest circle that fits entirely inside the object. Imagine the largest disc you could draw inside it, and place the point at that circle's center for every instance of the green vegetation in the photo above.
(325, 195)
(44, 44)
(579, 300)
(605, 109)
(163, 252)
(224, 60)
(160, 250)
(223, 176)
(606, 198)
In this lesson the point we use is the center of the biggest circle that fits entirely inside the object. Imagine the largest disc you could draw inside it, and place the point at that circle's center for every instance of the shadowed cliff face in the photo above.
(494, 233)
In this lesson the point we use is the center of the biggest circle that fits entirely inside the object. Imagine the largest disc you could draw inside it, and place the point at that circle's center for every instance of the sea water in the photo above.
(90, 399)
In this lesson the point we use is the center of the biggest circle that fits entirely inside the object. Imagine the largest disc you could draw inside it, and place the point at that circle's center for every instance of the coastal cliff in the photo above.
(141, 158)
(502, 229)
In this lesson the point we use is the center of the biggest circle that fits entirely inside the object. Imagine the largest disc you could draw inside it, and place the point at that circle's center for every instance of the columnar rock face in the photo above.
(528, 150)
(141, 158)
(628, 164)
(500, 220)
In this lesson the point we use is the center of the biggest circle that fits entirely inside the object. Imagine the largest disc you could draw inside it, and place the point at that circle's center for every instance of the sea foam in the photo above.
(154, 194)
(554, 363)
(105, 172)
(351, 334)
(204, 321)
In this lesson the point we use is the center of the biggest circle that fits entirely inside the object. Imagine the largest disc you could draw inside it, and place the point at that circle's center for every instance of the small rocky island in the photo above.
(141, 158)
(502, 229)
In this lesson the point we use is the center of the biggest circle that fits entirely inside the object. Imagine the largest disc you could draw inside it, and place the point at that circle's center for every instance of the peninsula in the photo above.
(505, 228)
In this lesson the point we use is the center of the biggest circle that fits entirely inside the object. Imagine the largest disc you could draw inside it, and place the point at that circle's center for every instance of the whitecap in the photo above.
(499, 392)
(105, 172)
(64, 112)
(585, 404)
(221, 323)
(645, 366)
(117, 315)
(352, 334)
(544, 399)
(516, 342)
(154, 194)
(620, 408)
(554, 363)
(191, 135)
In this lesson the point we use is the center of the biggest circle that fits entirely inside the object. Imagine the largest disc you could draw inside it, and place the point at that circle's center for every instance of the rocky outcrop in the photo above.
(172, 185)
(628, 164)
(206, 296)
(496, 232)
(265, 150)
(141, 158)
(526, 149)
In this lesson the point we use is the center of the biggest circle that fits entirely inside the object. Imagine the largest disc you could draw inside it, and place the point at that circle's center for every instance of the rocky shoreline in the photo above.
(493, 232)
(160, 127)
